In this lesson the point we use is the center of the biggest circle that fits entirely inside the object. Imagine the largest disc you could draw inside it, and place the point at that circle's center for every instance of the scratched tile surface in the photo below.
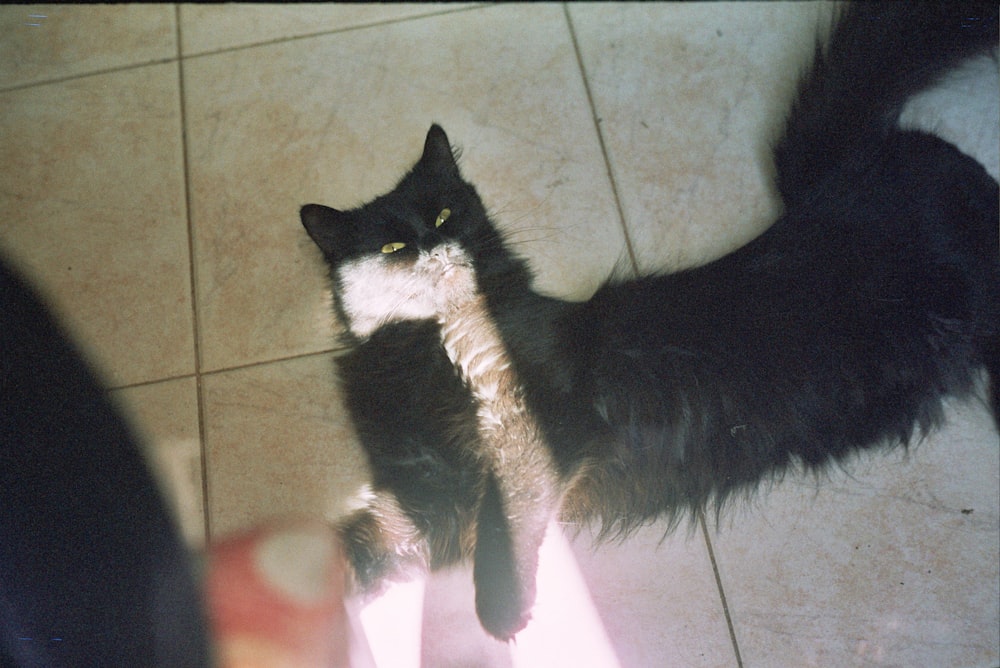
(155, 157)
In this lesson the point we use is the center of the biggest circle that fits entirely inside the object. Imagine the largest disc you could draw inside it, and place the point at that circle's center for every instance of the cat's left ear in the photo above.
(438, 154)
(325, 226)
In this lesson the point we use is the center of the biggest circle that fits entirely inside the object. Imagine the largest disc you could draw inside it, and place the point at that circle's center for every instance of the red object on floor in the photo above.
(275, 598)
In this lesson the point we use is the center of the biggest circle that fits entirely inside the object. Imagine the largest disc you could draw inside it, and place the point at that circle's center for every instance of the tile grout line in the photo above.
(268, 42)
(193, 277)
(600, 139)
(722, 593)
(274, 360)
(87, 74)
(202, 373)
(337, 31)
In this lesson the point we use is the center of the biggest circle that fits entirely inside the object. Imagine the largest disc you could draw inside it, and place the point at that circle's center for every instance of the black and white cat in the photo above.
(487, 409)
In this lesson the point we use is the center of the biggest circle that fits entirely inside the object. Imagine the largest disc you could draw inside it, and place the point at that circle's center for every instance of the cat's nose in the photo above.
(442, 254)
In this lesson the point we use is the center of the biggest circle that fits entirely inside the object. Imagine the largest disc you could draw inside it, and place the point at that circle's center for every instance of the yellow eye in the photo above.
(393, 247)
(443, 216)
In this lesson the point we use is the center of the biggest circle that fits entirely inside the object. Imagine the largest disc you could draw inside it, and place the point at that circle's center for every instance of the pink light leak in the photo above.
(565, 631)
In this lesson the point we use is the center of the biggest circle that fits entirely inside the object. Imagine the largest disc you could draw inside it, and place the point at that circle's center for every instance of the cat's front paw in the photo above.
(505, 565)
(504, 598)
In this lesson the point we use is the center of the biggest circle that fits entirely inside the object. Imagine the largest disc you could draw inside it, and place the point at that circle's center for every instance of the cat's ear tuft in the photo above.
(438, 153)
(322, 223)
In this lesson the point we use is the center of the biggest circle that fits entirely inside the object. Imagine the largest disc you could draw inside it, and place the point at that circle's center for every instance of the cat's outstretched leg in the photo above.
(522, 488)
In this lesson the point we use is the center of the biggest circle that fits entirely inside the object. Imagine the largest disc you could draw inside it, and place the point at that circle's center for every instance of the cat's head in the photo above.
(411, 253)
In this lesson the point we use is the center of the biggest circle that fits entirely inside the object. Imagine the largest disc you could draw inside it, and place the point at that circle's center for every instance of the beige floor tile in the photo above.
(165, 416)
(893, 563)
(45, 42)
(338, 119)
(278, 443)
(689, 96)
(212, 27)
(93, 211)
(658, 599)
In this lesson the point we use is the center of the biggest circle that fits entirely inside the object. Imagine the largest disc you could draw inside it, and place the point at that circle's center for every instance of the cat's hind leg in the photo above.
(381, 544)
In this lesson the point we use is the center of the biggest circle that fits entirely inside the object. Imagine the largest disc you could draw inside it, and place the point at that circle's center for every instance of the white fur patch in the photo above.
(377, 290)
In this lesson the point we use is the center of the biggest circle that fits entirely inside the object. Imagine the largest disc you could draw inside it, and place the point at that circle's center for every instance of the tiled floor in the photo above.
(154, 159)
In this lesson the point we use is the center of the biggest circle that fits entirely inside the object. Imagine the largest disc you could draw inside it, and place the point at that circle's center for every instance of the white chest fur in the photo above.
(378, 289)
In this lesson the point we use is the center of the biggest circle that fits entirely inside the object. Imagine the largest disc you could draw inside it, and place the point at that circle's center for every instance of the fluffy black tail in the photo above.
(880, 53)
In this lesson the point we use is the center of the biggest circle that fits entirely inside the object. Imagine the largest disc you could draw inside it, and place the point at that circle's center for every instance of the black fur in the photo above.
(416, 420)
(93, 571)
(844, 326)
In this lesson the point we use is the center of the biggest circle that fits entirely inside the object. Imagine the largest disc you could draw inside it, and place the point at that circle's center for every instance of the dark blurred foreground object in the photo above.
(92, 570)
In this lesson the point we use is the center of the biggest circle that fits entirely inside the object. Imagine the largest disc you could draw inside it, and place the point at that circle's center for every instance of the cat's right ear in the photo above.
(438, 152)
(325, 226)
